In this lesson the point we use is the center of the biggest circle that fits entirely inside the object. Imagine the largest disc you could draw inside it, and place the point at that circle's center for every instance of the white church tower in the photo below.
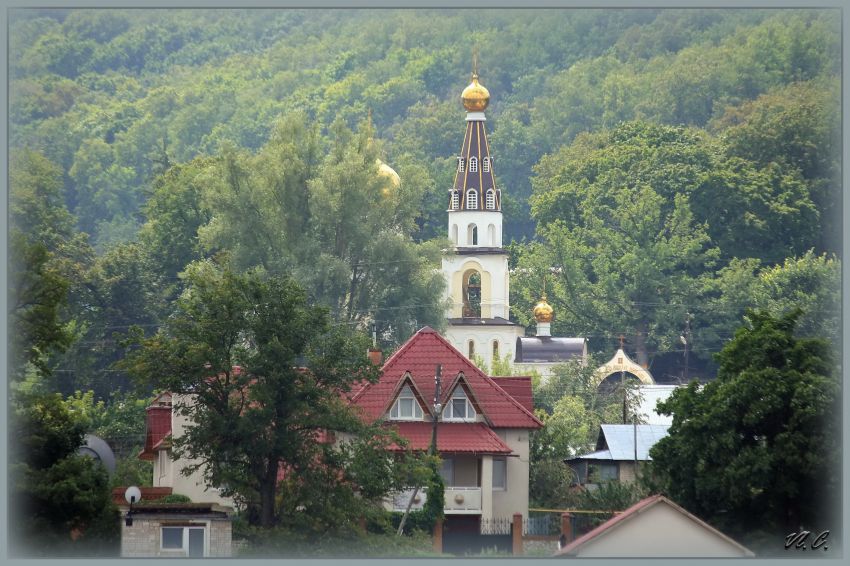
(476, 268)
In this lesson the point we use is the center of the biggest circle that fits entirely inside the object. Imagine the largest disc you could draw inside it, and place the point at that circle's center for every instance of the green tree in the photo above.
(625, 251)
(755, 451)
(233, 346)
(809, 282)
(335, 221)
(572, 407)
(63, 500)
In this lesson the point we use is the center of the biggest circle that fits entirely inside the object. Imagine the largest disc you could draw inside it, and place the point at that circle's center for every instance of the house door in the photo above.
(196, 543)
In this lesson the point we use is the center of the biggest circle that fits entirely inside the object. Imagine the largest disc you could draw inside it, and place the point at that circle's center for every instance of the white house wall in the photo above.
(483, 338)
(514, 499)
(192, 486)
(659, 531)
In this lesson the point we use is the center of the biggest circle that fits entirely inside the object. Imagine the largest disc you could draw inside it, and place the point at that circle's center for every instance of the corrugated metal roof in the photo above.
(620, 440)
(650, 396)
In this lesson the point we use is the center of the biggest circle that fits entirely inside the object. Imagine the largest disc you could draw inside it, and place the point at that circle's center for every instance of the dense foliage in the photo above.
(235, 349)
(756, 452)
(663, 170)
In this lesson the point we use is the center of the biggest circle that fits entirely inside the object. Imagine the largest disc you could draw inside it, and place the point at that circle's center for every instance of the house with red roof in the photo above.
(163, 423)
(483, 425)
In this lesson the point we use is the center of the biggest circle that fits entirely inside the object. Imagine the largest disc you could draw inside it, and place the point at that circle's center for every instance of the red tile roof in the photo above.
(466, 438)
(519, 388)
(635, 510)
(420, 356)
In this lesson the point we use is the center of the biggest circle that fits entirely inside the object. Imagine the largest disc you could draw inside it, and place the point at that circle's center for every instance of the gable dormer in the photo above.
(460, 404)
(407, 405)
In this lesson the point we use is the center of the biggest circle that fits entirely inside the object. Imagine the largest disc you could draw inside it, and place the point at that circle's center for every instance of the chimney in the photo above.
(375, 356)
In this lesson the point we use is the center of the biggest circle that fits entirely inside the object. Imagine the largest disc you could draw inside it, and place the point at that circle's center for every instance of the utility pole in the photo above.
(686, 340)
(623, 387)
(437, 407)
(432, 450)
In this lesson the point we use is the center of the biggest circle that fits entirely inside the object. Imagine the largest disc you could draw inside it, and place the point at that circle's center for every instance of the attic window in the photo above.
(460, 164)
(485, 165)
(473, 165)
(455, 200)
(491, 199)
(471, 200)
(459, 408)
(406, 407)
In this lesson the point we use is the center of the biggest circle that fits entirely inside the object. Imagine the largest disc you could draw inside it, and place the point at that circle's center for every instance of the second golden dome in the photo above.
(543, 311)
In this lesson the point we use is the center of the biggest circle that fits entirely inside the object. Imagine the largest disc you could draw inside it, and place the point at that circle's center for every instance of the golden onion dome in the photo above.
(543, 311)
(475, 97)
(388, 172)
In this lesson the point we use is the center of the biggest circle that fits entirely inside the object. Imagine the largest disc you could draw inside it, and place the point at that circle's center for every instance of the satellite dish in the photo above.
(133, 494)
(98, 449)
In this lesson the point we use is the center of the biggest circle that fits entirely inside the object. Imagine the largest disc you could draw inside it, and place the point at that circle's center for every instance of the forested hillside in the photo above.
(658, 165)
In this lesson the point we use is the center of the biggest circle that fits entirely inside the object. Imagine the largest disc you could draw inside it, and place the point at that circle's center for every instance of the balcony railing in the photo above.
(458, 500)
(462, 499)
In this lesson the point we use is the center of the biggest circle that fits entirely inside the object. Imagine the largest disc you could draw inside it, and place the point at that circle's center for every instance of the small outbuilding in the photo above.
(654, 528)
(173, 530)
(619, 449)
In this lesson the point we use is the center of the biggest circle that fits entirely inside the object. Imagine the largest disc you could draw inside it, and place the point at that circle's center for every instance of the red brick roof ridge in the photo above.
(610, 523)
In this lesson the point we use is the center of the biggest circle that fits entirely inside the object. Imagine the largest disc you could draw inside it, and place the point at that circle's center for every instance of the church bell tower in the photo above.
(476, 268)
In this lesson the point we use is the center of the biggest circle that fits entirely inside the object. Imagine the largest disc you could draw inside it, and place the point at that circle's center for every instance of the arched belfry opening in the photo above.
(472, 235)
(471, 294)
(615, 380)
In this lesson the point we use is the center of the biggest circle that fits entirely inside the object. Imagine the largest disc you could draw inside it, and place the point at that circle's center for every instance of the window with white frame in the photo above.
(455, 200)
(188, 539)
(459, 407)
(460, 164)
(491, 199)
(447, 471)
(163, 463)
(471, 200)
(473, 165)
(500, 473)
(406, 407)
(485, 165)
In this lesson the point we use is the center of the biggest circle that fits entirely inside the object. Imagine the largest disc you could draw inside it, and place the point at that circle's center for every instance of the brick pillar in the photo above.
(566, 529)
(516, 534)
(438, 536)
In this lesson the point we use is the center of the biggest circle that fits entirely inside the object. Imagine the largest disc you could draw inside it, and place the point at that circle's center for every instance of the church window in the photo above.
(471, 349)
(495, 351)
(491, 199)
(455, 200)
(471, 200)
(406, 407)
(485, 165)
(472, 235)
(473, 165)
(459, 408)
(460, 164)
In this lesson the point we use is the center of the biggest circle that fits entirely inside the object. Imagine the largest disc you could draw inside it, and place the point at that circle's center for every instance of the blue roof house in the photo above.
(619, 450)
